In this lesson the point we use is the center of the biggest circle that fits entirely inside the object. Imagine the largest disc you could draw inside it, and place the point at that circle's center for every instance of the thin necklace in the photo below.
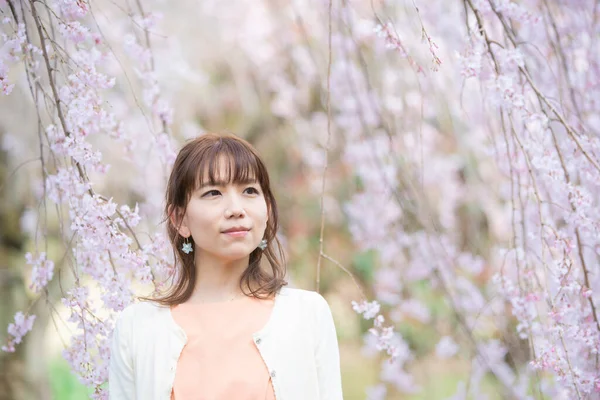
(234, 296)
(227, 301)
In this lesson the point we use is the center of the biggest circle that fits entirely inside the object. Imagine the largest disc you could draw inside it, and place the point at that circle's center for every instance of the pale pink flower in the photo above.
(74, 31)
(446, 347)
(42, 271)
(17, 330)
(376, 392)
(367, 309)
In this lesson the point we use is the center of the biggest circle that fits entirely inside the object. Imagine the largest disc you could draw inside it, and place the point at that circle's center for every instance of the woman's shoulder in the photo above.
(303, 297)
(307, 307)
(300, 293)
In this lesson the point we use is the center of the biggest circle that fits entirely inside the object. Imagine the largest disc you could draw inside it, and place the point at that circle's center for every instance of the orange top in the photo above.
(220, 360)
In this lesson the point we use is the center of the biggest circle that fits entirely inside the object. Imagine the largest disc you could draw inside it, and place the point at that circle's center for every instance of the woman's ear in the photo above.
(178, 220)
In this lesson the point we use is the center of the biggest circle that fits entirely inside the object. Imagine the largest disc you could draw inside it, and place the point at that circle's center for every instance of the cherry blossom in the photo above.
(17, 330)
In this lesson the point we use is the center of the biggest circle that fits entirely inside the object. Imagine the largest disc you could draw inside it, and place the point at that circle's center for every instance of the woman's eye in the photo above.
(252, 190)
(211, 193)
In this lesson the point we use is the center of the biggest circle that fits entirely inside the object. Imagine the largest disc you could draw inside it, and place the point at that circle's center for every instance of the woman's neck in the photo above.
(217, 279)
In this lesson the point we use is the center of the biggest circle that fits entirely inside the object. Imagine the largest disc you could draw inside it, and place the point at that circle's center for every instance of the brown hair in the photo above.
(197, 157)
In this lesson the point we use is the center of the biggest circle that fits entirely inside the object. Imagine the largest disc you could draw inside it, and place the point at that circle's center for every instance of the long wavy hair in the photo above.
(195, 159)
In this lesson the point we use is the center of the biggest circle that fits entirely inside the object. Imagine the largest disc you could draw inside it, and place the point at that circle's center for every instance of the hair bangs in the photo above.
(228, 162)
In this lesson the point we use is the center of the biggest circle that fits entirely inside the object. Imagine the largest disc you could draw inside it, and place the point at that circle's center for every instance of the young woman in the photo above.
(228, 328)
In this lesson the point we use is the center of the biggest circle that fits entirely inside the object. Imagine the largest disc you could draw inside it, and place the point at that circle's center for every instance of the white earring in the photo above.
(187, 247)
(263, 244)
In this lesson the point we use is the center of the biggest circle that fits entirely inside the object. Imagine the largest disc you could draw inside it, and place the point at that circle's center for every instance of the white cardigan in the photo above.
(298, 345)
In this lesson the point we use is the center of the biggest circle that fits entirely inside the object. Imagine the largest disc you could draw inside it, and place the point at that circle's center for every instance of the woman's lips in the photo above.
(236, 233)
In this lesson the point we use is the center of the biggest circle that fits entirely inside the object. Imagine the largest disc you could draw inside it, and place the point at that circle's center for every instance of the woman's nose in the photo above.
(235, 207)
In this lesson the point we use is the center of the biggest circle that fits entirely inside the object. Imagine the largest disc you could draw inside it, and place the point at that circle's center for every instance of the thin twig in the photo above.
(362, 293)
(324, 180)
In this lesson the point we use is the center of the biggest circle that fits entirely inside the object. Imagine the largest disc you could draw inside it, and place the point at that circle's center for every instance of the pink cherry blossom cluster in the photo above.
(106, 253)
(42, 271)
(546, 275)
(367, 309)
(513, 11)
(553, 300)
(142, 57)
(393, 41)
(17, 330)
(89, 350)
(472, 57)
(12, 47)
(382, 338)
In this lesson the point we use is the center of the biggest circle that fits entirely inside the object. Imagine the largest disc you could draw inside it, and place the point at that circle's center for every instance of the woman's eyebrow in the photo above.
(225, 183)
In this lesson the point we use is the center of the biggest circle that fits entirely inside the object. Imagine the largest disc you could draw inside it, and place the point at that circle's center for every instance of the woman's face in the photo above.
(226, 220)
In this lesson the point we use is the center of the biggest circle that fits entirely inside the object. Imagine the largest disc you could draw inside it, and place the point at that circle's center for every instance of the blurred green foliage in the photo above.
(65, 385)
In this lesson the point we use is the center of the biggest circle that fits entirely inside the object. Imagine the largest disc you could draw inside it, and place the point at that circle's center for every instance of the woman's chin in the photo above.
(236, 254)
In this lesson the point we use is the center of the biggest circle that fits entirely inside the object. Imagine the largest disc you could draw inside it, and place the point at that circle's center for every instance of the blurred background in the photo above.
(427, 143)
